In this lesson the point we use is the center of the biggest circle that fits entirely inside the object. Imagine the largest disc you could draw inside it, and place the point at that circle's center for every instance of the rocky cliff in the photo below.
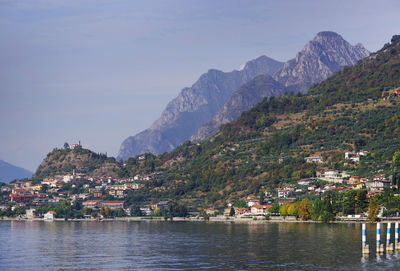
(193, 107)
(243, 99)
(327, 53)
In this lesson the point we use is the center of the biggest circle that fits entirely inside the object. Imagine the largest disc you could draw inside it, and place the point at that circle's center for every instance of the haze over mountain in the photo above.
(10, 172)
(198, 111)
(193, 107)
(327, 53)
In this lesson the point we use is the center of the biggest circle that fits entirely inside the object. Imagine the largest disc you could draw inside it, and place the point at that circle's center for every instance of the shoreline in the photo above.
(212, 220)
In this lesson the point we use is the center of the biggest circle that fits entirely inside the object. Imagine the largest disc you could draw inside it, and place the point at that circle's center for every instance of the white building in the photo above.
(49, 215)
(378, 185)
(283, 193)
(333, 176)
(260, 209)
(314, 159)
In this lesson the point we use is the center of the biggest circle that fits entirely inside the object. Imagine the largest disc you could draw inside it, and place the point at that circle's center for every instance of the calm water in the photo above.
(152, 245)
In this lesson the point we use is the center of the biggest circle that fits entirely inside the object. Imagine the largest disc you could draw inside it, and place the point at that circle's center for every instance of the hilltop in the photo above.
(75, 158)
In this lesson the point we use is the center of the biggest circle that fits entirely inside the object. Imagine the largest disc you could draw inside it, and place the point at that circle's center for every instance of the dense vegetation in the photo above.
(61, 161)
(346, 112)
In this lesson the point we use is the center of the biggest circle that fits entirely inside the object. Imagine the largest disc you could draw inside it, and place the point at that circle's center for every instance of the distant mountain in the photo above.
(243, 99)
(10, 172)
(193, 107)
(327, 53)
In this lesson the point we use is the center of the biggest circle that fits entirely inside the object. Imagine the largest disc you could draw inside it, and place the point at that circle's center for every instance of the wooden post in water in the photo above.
(389, 246)
(379, 246)
(396, 240)
(365, 247)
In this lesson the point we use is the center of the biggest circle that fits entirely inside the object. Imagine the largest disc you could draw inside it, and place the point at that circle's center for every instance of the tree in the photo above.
(102, 211)
(66, 145)
(156, 211)
(261, 198)
(274, 209)
(396, 160)
(120, 212)
(232, 212)
(135, 211)
(293, 209)
(373, 210)
(395, 38)
(305, 209)
(205, 215)
(284, 210)
(107, 211)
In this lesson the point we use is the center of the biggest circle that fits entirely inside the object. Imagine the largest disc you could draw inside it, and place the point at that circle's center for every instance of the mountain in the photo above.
(243, 99)
(10, 172)
(327, 53)
(193, 107)
(357, 108)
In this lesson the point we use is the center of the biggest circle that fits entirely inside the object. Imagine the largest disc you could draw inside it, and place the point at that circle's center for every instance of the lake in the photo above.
(159, 245)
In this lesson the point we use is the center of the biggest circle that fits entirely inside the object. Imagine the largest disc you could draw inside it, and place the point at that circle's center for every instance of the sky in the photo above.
(99, 71)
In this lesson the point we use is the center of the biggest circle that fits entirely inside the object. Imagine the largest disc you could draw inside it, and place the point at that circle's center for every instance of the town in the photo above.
(77, 195)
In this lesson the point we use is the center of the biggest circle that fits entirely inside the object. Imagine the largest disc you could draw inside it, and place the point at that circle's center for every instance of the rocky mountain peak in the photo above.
(193, 107)
(328, 52)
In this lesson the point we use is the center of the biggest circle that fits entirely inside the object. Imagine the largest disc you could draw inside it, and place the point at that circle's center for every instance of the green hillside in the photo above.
(346, 112)
(66, 160)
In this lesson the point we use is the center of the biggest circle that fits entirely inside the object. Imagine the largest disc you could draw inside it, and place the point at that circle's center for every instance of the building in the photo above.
(37, 187)
(112, 204)
(260, 209)
(73, 146)
(21, 194)
(5, 188)
(306, 181)
(283, 193)
(240, 211)
(332, 176)
(68, 178)
(281, 159)
(49, 215)
(117, 193)
(354, 179)
(30, 213)
(146, 211)
(161, 204)
(378, 185)
(314, 159)
(91, 203)
(98, 194)
(252, 202)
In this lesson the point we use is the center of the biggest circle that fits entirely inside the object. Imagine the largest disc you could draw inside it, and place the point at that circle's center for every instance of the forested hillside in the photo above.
(354, 109)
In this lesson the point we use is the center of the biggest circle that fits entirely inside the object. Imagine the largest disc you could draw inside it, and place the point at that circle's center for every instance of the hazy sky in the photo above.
(99, 71)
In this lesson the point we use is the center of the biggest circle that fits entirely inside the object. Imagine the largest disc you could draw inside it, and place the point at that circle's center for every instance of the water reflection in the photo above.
(152, 245)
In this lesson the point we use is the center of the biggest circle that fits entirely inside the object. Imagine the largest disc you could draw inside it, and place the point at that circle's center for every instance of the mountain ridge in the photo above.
(9, 172)
(327, 53)
(193, 107)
